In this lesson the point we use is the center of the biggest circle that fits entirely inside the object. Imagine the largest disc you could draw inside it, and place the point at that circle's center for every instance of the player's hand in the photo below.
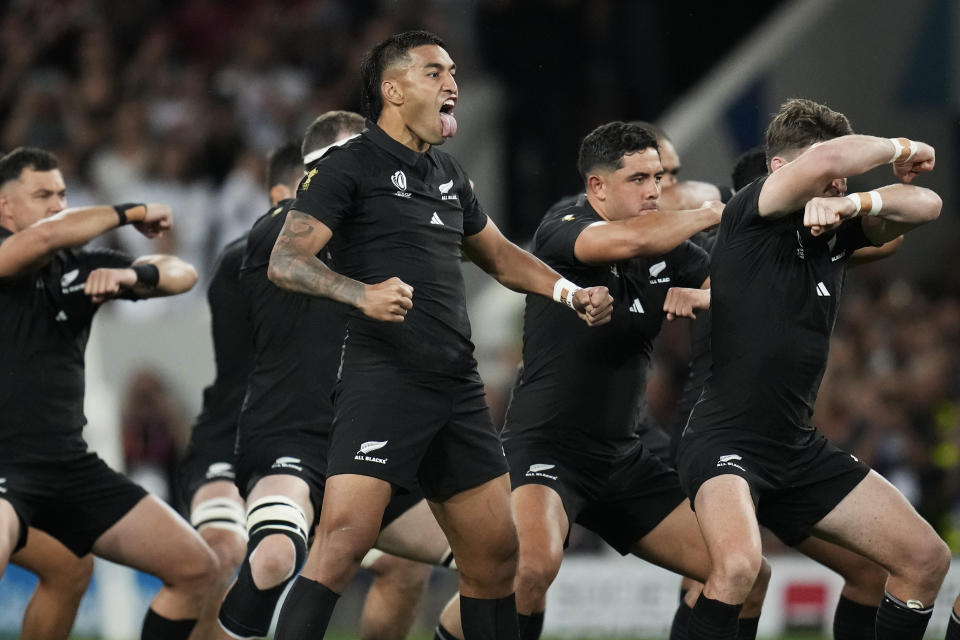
(594, 305)
(825, 214)
(387, 301)
(715, 206)
(104, 284)
(921, 162)
(157, 219)
(682, 301)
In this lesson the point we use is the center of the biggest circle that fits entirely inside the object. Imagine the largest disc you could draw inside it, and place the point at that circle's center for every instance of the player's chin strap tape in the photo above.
(247, 610)
(219, 513)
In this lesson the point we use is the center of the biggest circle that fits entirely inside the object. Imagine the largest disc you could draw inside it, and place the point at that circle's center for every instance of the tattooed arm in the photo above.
(294, 266)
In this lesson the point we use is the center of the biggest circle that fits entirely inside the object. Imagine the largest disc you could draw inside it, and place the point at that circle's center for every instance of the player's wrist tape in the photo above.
(868, 202)
(147, 274)
(122, 209)
(563, 291)
(903, 150)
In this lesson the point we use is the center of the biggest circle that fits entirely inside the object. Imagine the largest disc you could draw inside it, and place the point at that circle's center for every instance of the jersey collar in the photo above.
(401, 152)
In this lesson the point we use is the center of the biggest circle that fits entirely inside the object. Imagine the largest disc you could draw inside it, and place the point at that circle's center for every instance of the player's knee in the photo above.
(229, 547)
(402, 575)
(738, 570)
(535, 574)
(930, 561)
(346, 538)
(72, 578)
(273, 561)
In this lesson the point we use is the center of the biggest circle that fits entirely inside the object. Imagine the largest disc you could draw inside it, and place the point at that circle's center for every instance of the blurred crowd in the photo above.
(179, 103)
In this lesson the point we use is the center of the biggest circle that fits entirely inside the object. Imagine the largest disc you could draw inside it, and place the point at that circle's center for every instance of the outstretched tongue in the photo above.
(449, 125)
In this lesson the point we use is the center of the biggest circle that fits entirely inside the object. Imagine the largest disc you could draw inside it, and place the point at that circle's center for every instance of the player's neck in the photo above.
(394, 126)
(598, 206)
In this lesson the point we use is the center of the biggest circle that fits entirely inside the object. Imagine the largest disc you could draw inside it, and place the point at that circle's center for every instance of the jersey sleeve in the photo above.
(743, 209)
(555, 239)
(328, 191)
(693, 265)
(851, 236)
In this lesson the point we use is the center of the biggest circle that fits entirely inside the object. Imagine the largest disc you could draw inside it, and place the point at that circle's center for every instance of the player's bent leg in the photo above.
(152, 538)
(416, 535)
(729, 527)
(62, 581)
(218, 514)
(689, 592)
(9, 533)
(677, 544)
(279, 514)
(394, 597)
(479, 525)
(542, 526)
(856, 612)
(953, 624)
(350, 518)
(876, 521)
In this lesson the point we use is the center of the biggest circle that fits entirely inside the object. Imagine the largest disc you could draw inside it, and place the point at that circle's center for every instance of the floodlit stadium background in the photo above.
(179, 102)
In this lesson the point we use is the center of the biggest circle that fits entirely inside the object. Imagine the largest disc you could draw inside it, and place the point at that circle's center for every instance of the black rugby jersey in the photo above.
(46, 319)
(775, 291)
(232, 350)
(396, 212)
(588, 381)
(297, 340)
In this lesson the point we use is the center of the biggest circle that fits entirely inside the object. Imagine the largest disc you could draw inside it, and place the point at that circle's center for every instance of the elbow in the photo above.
(275, 271)
(189, 276)
(177, 277)
(932, 205)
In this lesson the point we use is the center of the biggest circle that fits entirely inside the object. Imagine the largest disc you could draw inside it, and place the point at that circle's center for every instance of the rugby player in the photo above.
(410, 407)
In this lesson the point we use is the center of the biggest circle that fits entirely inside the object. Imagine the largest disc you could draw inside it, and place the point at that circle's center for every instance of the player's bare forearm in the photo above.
(33, 246)
(294, 264)
(176, 277)
(905, 207)
(510, 265)
(651, 234)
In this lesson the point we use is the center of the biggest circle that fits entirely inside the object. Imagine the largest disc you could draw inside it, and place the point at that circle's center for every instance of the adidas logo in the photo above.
(822, 290)
(636, 307)
(61, 317)
(436, 219)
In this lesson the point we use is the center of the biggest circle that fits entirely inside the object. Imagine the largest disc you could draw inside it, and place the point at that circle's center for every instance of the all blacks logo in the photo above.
(399, 180)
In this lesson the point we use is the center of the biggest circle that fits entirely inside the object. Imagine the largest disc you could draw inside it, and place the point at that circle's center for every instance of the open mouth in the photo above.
(447, 122)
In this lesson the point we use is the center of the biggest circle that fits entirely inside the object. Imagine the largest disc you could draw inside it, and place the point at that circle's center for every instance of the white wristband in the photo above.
(563, 291)
(903, 150)
(869, 202)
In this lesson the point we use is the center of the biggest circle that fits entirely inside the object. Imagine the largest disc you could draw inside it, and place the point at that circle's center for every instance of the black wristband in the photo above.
(147, 274)
(122, 209)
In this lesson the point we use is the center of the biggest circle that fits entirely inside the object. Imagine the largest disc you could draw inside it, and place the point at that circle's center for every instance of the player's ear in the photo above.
(597, 186)
(392, 92)
(776, 162)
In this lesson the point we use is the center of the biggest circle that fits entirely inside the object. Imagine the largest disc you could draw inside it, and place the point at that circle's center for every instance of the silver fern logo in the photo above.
(367, 447)
(534, 468)
(372, 445)
(399, 180)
